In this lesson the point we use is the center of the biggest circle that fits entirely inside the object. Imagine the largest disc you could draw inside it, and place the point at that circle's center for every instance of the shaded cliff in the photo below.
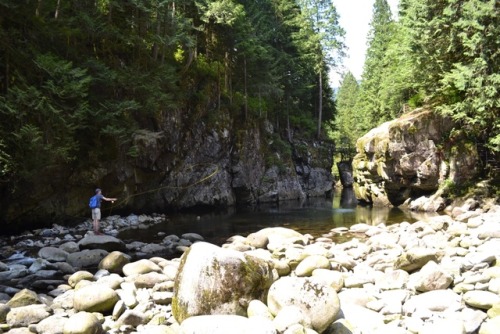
(414, 160)
(178, 168)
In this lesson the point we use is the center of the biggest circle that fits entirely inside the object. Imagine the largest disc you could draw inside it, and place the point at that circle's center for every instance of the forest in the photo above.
(443, 54)
(79, 80)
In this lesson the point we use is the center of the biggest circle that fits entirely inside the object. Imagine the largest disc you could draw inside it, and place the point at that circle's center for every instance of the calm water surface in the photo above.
(315, 216)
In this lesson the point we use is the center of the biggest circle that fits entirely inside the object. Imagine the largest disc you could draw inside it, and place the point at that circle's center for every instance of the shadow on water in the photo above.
(316, 216)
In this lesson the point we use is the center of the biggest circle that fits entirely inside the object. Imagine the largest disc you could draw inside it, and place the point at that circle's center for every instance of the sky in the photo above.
(355, 16)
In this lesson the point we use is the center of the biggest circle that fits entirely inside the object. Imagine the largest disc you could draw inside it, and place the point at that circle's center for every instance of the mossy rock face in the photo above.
(410, 157)
(213, 280)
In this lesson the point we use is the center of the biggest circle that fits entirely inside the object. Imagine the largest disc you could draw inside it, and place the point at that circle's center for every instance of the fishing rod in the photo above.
(206, 178)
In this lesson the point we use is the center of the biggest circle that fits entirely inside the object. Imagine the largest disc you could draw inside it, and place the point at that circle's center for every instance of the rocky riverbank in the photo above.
(435, 276)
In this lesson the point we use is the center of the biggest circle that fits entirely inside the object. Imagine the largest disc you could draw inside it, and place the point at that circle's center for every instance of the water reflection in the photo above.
(315, 216)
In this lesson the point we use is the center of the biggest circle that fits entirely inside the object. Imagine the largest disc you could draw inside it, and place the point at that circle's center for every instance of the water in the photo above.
(316, 216)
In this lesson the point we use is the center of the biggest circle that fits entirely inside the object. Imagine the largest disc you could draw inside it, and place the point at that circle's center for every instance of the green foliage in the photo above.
(347, 122)
(454, 48)
(82, 82)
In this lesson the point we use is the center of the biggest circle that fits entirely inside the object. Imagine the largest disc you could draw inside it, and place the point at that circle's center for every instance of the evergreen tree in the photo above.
(370, 106)
(455, 53)
(347, 122)
(325, 45)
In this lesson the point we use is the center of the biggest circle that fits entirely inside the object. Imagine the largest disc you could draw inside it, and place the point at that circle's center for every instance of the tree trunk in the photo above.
(56, 14)
(245, 84)
(38, 8)
(320, 103)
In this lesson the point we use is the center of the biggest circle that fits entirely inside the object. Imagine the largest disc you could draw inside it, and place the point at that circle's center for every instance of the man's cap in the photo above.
(97, 190)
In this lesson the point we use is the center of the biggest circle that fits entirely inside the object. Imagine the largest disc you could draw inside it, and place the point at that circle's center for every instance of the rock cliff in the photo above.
(209, 166)
(412, 160)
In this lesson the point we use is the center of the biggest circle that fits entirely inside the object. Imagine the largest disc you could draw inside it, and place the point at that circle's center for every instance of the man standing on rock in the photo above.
(95, 206)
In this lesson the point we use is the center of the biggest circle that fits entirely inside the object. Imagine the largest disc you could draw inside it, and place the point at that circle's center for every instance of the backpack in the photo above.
(94, 202)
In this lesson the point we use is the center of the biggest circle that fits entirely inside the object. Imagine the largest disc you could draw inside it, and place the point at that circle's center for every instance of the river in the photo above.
(316, 216)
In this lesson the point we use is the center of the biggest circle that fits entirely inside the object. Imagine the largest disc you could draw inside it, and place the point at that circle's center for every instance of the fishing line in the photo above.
(206, 178)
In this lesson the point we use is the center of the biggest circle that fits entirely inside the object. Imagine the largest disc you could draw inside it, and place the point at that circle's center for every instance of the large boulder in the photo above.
(410, 156)
(318, 301)
(213, 280)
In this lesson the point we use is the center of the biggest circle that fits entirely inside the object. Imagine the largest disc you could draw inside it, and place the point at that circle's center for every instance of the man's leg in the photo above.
(97, 219)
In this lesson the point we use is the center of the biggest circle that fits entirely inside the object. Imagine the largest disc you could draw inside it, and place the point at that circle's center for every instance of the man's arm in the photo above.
(108, 199)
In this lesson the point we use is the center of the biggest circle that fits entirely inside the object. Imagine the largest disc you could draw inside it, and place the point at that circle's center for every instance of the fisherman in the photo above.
(95, 206)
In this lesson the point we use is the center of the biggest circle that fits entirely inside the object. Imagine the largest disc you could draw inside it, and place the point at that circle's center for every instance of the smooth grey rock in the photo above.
(53, 254)
(114, 262)
(26, 315)
(392, 279)
(24, 297)
(83, 323)
(95, 298)
(431, 277)
(51, 325)
(481, 299)
(332, 278)
(105, 242)
(362, 319)
(416, 258)
(436, 301)
(318, 301)
(310, 263)
(86, 258)
(226, 324)
(448, 326)
(290, 315)
(257, 308)
(140, 267)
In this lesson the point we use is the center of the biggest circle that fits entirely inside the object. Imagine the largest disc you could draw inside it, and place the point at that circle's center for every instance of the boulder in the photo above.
(79, 276)
(53, 254)
(289, 316)
(214, 280)
(114, 262)
(358, 317)
(226, 324)
(51, 325)
(481, 299)
(83, 323)
(24, 297)
(4, 310)
(490, 326)
(435, 301)
(86, 258)
(278, 236)
(404, 158)
(95, 298)
(431, 277)
(319, 302)
(106, 242)
(310, 263)
(24, 316)
(140, 267)
(416, 258)
(257, 308)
